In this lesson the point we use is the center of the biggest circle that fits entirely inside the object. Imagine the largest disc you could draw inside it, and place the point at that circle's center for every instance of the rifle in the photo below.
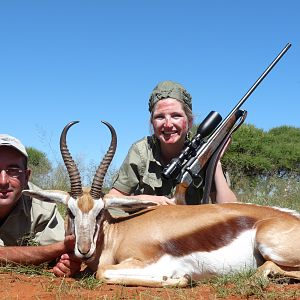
(201, 154)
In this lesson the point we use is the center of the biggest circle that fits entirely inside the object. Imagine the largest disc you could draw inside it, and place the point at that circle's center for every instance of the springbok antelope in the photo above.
(172, 245)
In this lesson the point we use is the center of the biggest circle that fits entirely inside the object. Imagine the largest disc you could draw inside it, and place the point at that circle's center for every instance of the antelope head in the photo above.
(85, 206)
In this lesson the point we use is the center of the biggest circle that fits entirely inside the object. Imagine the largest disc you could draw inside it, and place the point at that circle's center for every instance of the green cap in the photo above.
(169, 89)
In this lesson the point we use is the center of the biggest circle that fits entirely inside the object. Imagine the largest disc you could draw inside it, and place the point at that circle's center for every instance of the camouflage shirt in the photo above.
(141, 172)
(32, 222)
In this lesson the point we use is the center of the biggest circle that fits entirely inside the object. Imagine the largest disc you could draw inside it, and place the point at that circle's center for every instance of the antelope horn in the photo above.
(96, 189)
(75, 180)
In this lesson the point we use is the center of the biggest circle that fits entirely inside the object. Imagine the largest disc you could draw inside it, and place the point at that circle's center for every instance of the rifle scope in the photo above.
(206, 127)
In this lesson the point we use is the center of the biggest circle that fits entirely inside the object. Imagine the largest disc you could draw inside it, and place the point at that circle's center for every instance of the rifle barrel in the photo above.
(192, 166)
(260, 79)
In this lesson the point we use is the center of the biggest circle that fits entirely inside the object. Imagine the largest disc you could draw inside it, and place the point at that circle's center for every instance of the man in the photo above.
(26, 222)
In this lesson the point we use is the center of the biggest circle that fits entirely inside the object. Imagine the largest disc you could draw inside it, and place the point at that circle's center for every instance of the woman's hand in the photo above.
(162, 200)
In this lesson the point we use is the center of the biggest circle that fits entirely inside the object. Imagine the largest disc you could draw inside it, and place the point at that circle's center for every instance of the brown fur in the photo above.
(85, 202)
(208, 238)
(140, 240)
(180, 230)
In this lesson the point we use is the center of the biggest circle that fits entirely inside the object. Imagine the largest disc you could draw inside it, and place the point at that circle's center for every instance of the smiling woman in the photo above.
(170, 106)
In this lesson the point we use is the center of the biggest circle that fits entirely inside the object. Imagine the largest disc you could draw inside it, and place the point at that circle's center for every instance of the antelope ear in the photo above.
(126, 203)
(48, 195)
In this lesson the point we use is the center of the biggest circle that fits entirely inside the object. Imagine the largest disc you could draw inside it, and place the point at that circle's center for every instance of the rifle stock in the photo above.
(211, 137)
(197, 163)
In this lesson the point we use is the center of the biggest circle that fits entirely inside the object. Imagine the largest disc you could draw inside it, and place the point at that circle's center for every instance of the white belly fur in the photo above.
(236, 257)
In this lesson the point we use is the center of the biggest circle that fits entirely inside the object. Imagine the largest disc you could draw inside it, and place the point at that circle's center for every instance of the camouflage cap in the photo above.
(10, 141)
(169, 89)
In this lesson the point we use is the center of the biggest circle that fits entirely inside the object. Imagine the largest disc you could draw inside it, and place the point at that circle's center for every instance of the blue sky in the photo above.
(99, 60)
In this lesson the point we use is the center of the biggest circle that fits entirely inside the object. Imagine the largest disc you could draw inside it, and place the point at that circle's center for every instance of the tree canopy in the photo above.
(254, 151)
(38, 163)
(257, 152)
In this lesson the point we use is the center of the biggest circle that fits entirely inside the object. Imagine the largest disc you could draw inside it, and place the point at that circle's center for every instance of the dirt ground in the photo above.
(18, 286)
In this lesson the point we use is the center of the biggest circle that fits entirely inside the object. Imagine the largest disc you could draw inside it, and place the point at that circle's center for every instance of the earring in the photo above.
(189, 135)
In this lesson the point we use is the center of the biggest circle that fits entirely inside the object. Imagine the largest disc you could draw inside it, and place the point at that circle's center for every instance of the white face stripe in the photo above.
(86, 227)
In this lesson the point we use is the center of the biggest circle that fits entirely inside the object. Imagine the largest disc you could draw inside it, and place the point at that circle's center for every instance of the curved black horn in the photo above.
(96, 189)
(75, 180)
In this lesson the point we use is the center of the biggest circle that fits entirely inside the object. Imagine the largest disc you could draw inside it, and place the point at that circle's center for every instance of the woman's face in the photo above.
(170, 122)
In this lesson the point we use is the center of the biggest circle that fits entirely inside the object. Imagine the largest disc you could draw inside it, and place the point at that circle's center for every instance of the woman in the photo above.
(170, 106)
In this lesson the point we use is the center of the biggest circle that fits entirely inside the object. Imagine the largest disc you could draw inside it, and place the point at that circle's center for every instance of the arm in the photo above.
(223, 192)
(35, 255)
(160, 200)
(130, 174)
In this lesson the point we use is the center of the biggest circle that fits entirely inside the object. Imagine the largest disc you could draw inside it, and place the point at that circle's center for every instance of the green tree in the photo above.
(39, 164)
(245, 156)
(283, 145)
(256, 156)
(256, 152)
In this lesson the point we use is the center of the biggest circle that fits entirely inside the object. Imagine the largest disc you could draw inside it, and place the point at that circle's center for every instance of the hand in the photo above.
(162, 200)
(226, 146)
(69, 243)
(159, 200)
(67, 266)
(219, 169)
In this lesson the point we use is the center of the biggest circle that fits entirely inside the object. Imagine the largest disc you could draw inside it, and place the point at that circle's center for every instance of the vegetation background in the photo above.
(264, 166)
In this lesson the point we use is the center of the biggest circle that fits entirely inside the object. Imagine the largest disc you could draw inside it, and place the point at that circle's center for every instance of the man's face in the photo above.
(13, 181)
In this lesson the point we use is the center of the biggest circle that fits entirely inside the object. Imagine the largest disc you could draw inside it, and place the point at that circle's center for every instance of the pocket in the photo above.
(152, 180)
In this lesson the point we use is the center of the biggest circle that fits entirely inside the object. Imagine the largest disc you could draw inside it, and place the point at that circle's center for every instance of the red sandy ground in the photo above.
(16, 286)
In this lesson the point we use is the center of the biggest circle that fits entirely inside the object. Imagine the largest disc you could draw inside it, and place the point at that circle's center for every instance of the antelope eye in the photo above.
(99, 215)
(71, 214)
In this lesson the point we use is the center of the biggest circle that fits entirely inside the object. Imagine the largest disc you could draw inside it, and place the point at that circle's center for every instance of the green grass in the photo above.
(242, 285)
(247, 285)
(27, 270)
(273, 191)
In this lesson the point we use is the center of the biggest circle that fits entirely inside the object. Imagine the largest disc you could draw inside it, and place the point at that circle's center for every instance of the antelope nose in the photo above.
(84, 250)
